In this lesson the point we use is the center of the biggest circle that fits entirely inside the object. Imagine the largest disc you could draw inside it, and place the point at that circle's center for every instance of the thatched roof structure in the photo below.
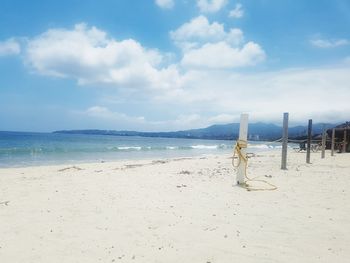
(340, 130)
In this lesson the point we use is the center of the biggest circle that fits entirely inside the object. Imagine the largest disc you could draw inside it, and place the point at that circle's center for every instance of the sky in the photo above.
(160, 65)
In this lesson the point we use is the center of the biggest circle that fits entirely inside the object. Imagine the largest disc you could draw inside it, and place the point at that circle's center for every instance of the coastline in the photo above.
(55, 149)
(177, 210)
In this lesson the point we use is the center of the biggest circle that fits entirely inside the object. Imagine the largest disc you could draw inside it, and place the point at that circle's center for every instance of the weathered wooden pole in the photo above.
(309, 131)
(323, 141)
(333, 138)
(344, 141)
(284, 141)
(243, 134)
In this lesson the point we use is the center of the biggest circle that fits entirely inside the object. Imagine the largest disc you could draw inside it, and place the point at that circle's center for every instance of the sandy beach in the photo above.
(177, 210)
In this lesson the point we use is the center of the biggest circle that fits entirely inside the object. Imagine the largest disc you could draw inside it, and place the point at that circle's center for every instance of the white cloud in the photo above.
(194, 120)
(223, 118)
(105, 113)
(237, 12)
(166, 4)
(199, 31)
(90, 56)
(9, 47)
(219, 96)
(329, 43)
(235, 37)
(209, 45)
(319, 93)
(211, 6)
(117, 120)
(221, 55)
(101, 112)
(183, 121)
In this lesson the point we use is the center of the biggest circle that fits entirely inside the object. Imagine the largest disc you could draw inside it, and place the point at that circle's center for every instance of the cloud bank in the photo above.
(199, 31)
(90, 56)
(202, 87)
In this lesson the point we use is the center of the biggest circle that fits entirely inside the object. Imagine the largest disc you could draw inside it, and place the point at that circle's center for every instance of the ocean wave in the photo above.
(127, 148)
(260, 146)
(200, 146)
(171, 147)
(266, 146)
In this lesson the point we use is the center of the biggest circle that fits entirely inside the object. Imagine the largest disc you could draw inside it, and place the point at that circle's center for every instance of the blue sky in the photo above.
(171, 64)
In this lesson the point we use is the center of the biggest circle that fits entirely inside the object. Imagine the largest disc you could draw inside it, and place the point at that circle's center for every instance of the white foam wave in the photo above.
(172, 148)
(204, 146)
(260, 146)
(125, 148)
(278, 147)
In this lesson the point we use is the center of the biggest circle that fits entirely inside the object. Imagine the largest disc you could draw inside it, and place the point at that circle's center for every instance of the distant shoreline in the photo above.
(256, 132)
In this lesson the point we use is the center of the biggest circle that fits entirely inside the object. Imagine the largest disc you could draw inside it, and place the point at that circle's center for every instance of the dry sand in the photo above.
(177, 210)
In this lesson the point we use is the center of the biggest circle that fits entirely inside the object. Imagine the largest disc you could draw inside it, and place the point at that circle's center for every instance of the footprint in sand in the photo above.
(70, 168)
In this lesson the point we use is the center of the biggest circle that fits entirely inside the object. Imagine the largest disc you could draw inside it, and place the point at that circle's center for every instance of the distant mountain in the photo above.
(256, 131)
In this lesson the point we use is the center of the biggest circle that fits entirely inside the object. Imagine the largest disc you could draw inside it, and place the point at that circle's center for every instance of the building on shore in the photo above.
(341, 137)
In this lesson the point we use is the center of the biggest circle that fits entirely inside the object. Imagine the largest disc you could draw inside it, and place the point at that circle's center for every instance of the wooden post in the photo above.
(323, 141)
(243, 134)
(333, 138)
(344, 141)
(284, 141)
(309, 131)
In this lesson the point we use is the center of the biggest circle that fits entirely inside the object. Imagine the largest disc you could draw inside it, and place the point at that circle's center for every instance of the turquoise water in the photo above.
(26, 149)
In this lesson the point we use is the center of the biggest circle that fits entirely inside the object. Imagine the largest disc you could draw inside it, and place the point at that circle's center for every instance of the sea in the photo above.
(21, 149)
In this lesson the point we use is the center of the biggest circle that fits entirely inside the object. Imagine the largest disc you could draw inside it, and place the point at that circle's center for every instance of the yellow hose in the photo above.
(237, 150)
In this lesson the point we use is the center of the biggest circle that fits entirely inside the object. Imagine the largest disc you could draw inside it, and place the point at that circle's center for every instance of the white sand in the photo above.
(183, 210)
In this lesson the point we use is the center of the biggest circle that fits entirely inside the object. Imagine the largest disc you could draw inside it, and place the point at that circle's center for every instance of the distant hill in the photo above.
(256, 131)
